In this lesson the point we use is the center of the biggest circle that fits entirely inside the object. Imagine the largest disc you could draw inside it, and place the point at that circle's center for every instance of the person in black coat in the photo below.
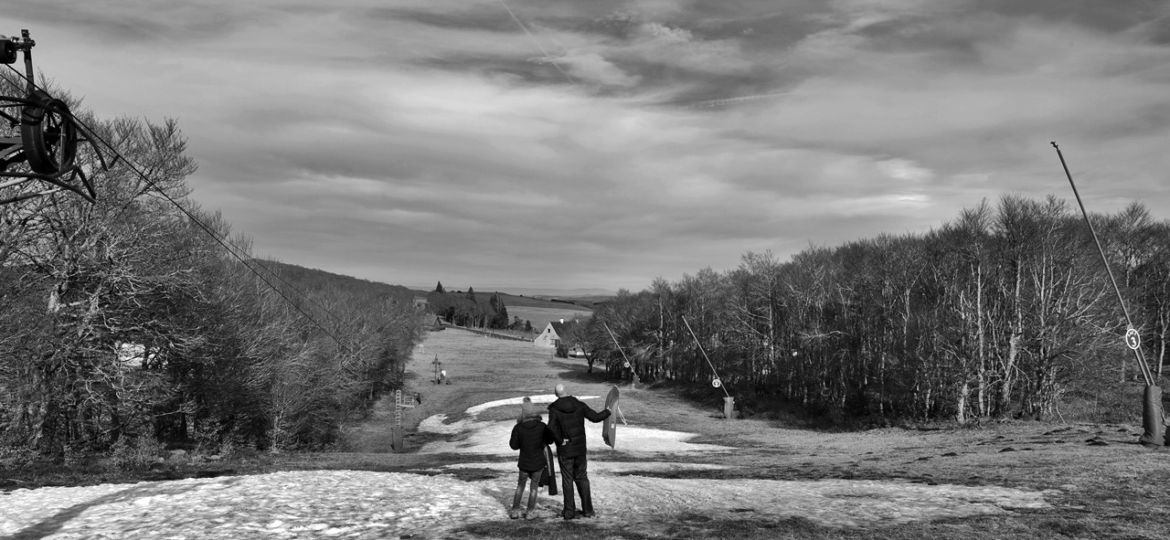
(566, 420)
(530, 436)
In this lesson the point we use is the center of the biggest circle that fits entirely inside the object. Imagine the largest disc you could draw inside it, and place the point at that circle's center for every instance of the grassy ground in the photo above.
(1102, 484)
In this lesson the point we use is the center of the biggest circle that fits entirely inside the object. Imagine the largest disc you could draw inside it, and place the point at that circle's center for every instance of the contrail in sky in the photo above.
(733, 100)
(537, 43)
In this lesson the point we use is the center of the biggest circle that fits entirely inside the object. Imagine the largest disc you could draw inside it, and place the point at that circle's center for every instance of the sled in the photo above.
(550, 471)
(609, 427)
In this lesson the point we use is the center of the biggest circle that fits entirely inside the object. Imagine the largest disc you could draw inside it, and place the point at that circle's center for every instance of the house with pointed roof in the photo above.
(554, 334)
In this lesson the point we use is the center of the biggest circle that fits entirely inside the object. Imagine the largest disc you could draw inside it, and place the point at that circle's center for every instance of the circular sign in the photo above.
(716, 383)
(1133, 340)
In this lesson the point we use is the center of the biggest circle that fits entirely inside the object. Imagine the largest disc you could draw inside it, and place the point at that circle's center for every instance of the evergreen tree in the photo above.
(439, 288)
(499, 314)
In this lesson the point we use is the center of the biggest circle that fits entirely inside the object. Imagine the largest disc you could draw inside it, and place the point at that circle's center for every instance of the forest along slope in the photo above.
(678, 471)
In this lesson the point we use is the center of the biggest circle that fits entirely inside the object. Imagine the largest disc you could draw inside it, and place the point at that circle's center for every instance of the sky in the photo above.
(565, 144)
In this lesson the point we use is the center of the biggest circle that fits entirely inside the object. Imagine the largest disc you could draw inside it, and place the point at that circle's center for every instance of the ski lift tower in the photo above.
(46, 149)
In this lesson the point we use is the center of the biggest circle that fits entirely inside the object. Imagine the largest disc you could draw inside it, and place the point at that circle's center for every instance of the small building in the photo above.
(554, 334)
(132, 354)
(420, 302)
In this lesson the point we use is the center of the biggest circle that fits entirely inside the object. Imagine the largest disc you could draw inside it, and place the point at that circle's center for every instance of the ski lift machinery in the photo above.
(45, 151)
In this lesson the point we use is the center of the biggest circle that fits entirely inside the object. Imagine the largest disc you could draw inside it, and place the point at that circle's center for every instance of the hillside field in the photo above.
(540, 316)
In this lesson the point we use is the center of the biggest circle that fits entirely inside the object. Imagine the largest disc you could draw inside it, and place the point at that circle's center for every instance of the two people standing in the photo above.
(566, 420)
(566, 428)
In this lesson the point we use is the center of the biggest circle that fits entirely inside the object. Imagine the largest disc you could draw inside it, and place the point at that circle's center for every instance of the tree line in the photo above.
(1004, 311)
(468, 309)
(125, 321)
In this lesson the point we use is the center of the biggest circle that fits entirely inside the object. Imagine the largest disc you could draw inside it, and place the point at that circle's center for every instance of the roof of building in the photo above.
(562, 326)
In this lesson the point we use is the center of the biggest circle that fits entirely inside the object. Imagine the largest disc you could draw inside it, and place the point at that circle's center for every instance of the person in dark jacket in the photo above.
(530, 435)
(566, 420)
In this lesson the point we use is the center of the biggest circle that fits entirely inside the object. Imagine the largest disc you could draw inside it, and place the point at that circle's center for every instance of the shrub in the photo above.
(135, 452)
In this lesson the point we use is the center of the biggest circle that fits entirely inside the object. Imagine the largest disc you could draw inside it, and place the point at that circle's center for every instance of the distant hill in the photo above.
(586, 301)
(538, 310)
(520, 300)
(312, 279)
(544, 302)
(558, 293)
(528, 292)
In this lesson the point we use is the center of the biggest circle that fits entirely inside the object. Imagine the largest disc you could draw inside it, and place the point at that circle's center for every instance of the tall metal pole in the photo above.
(619, 346)
(1138, 354)
(700, 344)
(28, 66)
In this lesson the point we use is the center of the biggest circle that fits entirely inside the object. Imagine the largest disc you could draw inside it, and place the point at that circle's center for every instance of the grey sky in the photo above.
(413, 141)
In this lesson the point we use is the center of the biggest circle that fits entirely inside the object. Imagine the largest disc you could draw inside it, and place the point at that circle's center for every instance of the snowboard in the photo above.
(609, 427)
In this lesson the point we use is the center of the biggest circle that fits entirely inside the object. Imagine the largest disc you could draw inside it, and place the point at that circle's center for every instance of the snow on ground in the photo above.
(359, 504)
(350, 504)
(438, 423)
(537, 399)
(491, 437)
(597, 466)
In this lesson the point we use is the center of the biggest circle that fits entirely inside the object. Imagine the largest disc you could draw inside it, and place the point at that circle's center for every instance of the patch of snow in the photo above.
(604, 467)
(539, 399)
(438, 424)
(491, 437)
(279, 505)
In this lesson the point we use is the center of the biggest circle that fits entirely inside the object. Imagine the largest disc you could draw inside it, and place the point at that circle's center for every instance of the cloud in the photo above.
(434, 140)
(591, 67)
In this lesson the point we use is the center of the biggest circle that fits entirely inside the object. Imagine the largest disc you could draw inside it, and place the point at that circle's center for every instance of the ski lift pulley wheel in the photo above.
(48, 134)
